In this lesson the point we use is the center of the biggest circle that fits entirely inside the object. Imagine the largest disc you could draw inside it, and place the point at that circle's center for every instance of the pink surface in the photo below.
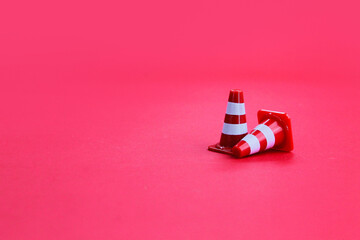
(108, 109)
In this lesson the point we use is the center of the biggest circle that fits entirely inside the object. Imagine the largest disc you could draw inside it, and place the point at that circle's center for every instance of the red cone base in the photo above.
(220, 149)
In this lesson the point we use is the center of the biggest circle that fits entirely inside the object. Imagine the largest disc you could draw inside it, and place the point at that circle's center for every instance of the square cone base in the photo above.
(220, 149)
(284, 120)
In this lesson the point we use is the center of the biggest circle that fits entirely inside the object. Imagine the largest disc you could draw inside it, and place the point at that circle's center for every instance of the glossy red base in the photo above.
(284, 120)
(220, 149)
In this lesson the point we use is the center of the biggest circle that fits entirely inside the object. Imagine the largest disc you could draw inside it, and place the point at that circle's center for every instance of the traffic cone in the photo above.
(235, 127)
(273, 132)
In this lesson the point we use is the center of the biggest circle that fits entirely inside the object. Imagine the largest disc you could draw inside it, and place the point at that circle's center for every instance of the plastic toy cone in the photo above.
(273, 132)
(235, 127)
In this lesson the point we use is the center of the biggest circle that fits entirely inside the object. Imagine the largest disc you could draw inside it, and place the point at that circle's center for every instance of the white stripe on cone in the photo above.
(234, 129)
(253, 143)
(235, 108)
(268, 133)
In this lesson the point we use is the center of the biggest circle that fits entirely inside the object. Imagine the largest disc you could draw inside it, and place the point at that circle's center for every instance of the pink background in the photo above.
(107, 109)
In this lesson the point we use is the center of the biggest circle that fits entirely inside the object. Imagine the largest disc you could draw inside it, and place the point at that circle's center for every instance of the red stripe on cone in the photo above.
(276, 129)
(235, 119)
(262, 139)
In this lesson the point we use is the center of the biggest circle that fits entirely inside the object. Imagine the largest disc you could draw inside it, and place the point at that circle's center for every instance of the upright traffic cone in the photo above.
(274, 131)
(235, 127)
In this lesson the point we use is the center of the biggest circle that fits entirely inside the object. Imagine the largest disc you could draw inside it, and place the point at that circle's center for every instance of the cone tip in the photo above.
(236, 96)
(236, 152)
(241, 149)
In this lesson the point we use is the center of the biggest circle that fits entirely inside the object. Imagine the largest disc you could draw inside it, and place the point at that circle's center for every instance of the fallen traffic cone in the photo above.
(274, 131)
(235, 127)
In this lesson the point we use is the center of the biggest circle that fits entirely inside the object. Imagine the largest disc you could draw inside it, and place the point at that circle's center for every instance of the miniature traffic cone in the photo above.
(235, 127)
(273, 132)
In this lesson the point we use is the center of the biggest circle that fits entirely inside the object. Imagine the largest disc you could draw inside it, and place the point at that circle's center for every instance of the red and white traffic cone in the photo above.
(273, 132)
(235, 127)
